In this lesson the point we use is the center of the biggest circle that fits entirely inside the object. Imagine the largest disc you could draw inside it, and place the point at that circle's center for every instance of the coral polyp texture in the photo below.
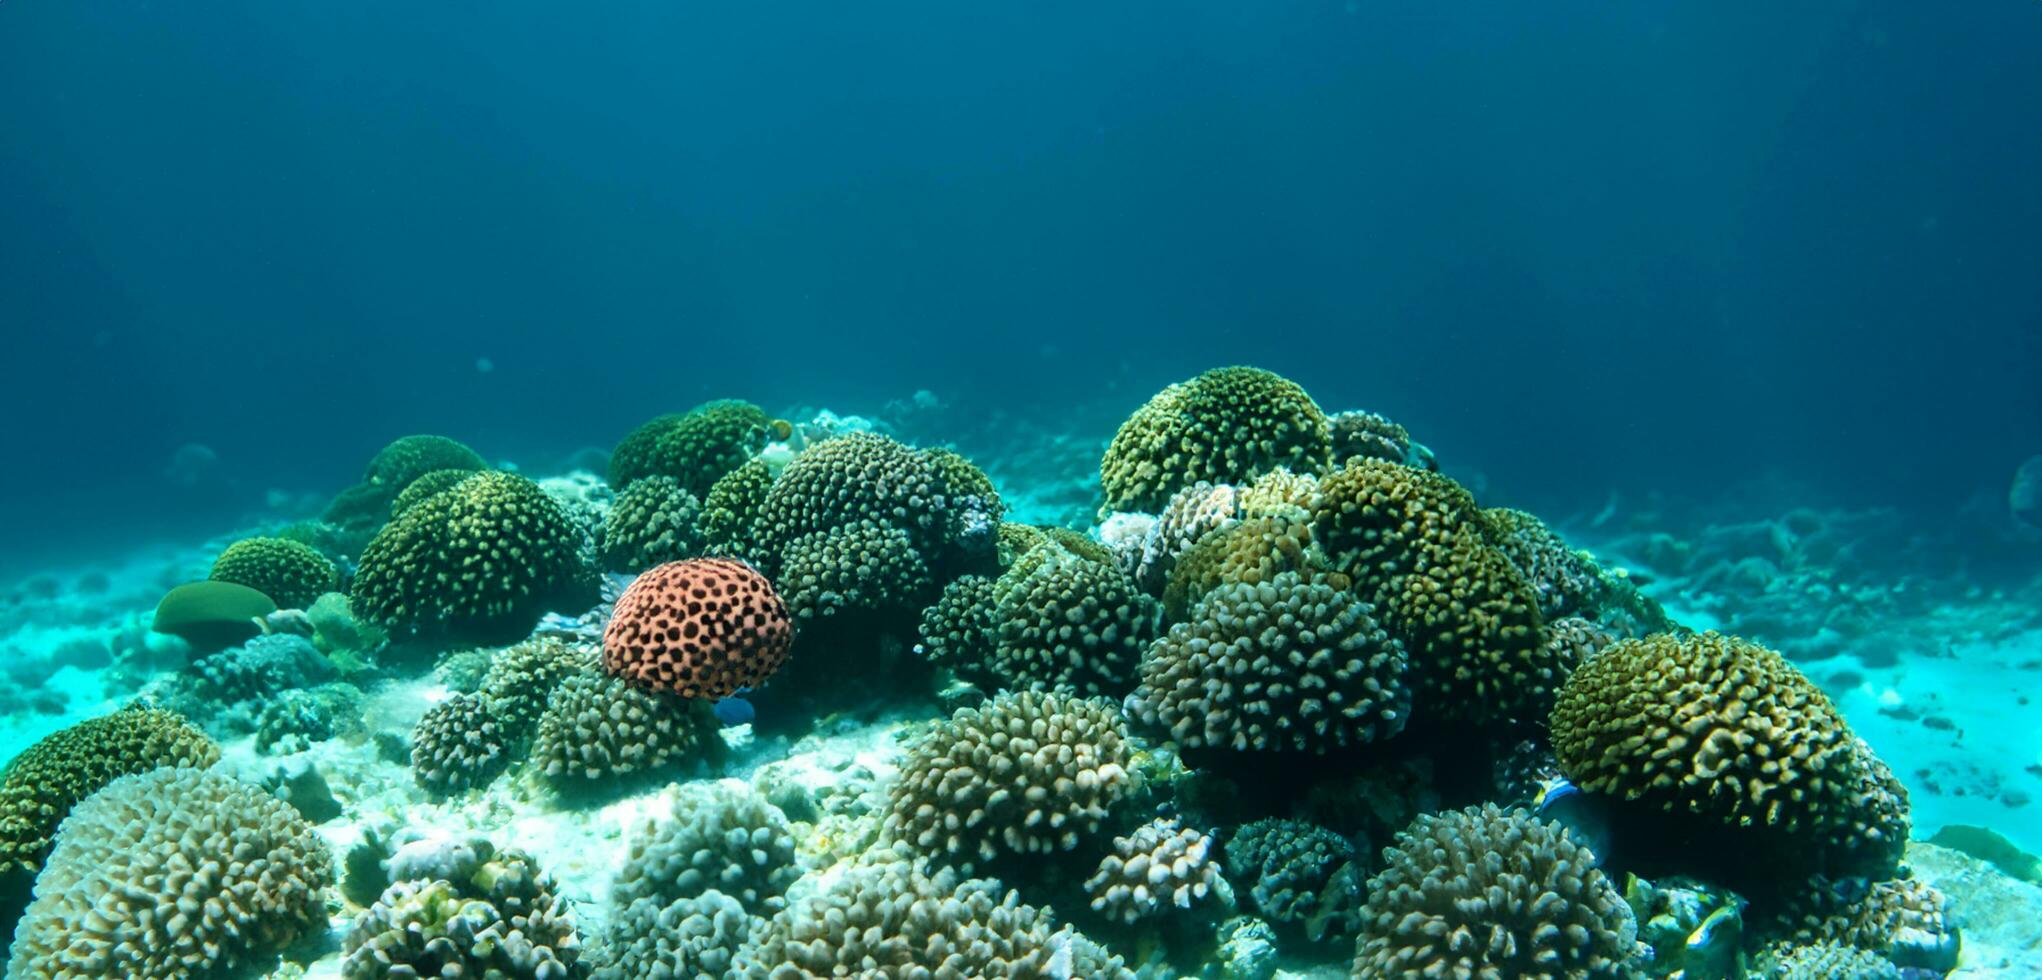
(1228, 425)
(1485, 892)
(1366, 435)
(599, 729)
(701, 628)
(1027, 773)
(171, 874)
(1415, 544)
(1159, 869)
(1191, 513)
(424, 487)
(523, 677)
(1299, 874)
(478, 562)
(694, 449)
(857, 571)
(730, 510)
(1284, 665)
(1728, 731)
(1064, 622)
(458, 745)
(654, 521)
(44, 783)
(489, 915)
(289, 573)
(396, 465)
(937, 500)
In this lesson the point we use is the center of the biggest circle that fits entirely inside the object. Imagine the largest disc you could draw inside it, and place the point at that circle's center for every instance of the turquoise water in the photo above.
(1169, 490)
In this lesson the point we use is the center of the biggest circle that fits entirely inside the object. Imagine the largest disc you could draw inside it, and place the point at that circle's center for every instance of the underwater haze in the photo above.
(1222, 490)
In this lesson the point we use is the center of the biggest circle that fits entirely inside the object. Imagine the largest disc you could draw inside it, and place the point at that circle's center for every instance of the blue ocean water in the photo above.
(1747, 302)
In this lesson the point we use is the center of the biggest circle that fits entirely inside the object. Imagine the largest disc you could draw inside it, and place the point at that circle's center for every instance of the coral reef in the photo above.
(859, 570)
(523, 677)
(172, 873)
(478, 562)
(1285, 665)
(695, 449)
(1228, 425)
(1489, 892)
(1027, 773)
(599, 729)
(871, 479)
(480, 913)
(45, 783)
(1298, 874)
(1366, 435)
(654, 521)
(405, 459)
(1054, 620)
(1161, 866)
(702, 628)
(289, 573)
(457, 745)
(730, 511)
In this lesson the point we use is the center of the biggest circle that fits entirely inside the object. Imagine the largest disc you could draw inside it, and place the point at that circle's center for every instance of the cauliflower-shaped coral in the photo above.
(701, 628)
(1366, 435)
(457, 745)
(481, 561)
(1191, 513)
(887, 917)
(1485, 892)
(170, 874)
(597, 729)
(700, 936)
(695, 449)
(424, 487)
(499, 919)
(1285, 665)
(291, 574)
(730, 511)
(1824, 961)
(1727, 730)
(957, 631)
(654, 521)
(1228, 425)
(1162, 865)
(410, 457)
(1567, 582)
(522, 678)
(859, 570)
(45, 782)
(1065, 622)
(862, 477)
(723, 837)
(1245, 552)
(1298, 873)
(1026, 773)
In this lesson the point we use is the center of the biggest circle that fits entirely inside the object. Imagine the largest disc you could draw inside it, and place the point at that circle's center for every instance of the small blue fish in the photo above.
(1564, 803)
(733, 711)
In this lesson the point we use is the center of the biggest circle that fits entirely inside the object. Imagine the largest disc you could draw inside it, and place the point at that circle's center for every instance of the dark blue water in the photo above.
(1581, 248)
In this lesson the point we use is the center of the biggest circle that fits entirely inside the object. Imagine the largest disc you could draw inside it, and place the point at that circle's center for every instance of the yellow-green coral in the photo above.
(730, 512)
(411, 457)
(479, 562)
(47, 780)
(1244, 552)
(1228, 425)
(1727, 730)
(654, 521)
(696, 449)
(290, 573)
(425, 486)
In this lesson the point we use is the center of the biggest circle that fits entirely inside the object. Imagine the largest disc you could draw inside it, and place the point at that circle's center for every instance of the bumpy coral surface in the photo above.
(1567, 582)
(502, 919)
(1160, 867)
(1191, 513)
(1908, 922)
(1485, 892)
(701, 936)
(869, 478)
(457, 745)
(695, 449)
(1416, 545)
(291, 574)
(730, 511)
(47, 780)
(1825, 961)
(720, 837)
(599, 728)
(1027, 773)
(522, 678)
(957, 631)
(410, 457)
(888, 918)
(480, 562)
(702, 628)
(1285, 665)
(1727, 729)
(1366, 435)
(859, 568)
(425, 487)
(1298, 873)
(1228, 425)
(1244, 552)
(654, 521)
(1065, 622)
(171, 874)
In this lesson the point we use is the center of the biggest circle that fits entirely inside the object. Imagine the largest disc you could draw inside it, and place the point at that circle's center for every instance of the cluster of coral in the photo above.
(1297, 700)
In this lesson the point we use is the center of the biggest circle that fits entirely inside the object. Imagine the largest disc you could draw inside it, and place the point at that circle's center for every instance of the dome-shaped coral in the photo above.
(1485, 892)
(701, 628)
(478, 562)
(457, 745)
(1026, 773)
(1191, 514)
(1246, 552)
(870, 478)
(491, 915)
(730, 512)
(1298, 873)
(655, 520)
(1228, 425)
(695, 449)
(859, 569)
(1160, 867)
(410, 457)
(1727, 730)
(597, 729)
(291, 574)
(1366, 435)
(1284, 665)
(1064, 622)
(47, 780)
(523, 677)
(721, 836)
(170, 874)
(426, 486)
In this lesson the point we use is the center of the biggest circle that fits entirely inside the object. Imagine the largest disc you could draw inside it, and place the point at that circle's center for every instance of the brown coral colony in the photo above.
(700, 628)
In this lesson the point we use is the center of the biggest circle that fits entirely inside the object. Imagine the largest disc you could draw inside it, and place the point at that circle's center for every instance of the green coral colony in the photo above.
(1298, 700)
